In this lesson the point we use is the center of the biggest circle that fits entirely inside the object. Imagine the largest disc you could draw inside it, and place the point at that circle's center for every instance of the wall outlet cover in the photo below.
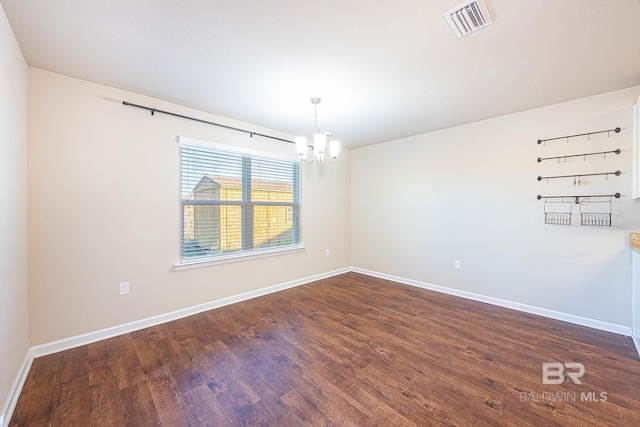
(123, 288)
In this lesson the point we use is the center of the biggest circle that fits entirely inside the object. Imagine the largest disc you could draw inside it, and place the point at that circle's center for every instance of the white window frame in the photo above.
(186, 263)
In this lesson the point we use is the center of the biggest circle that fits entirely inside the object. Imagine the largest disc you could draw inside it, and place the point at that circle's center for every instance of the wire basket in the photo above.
(595, 219)
(557, 213)
(557, 218)
(595, 213)
(594, 210)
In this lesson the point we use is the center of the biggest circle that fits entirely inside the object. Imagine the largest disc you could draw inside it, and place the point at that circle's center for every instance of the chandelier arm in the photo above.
(328, 162)
(308, 162)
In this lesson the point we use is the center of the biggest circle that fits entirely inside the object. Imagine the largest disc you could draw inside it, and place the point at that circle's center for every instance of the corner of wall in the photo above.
(16, 389)
(14, 306)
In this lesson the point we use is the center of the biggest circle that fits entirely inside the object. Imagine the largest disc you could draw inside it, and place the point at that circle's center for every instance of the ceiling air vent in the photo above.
(467, 18)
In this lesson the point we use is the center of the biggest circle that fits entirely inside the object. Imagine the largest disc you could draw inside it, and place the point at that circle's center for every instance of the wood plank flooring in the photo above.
(348, 350)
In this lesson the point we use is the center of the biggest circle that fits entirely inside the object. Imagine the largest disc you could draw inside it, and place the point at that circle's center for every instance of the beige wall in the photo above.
(14, 327)
(104, 208)
(469, 193)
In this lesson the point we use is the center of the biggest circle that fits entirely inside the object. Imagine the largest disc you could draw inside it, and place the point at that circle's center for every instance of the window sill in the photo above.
(187, 265)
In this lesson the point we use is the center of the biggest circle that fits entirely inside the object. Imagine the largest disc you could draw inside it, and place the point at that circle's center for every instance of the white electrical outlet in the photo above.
(123, 288)
(456, 264)
(327, 252)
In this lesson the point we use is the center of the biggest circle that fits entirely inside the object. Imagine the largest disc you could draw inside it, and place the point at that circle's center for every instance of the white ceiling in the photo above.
(384, 69)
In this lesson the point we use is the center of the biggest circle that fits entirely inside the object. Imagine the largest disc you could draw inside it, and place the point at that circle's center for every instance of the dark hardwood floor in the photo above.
(348, 350)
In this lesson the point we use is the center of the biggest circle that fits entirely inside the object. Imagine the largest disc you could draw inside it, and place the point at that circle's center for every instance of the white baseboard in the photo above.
(78, 340)
(88, 338)
(591, 323)
(15, 390)
(636, 341)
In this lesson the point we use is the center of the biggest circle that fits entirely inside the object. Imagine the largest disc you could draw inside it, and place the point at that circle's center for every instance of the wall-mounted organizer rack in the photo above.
(584, 155)
(595, 209)
(588, 135)
(578, 182)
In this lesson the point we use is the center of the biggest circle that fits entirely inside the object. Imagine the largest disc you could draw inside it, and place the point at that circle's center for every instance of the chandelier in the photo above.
(318, 151)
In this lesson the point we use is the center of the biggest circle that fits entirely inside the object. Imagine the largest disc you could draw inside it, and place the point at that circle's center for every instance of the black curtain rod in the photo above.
(168, 113)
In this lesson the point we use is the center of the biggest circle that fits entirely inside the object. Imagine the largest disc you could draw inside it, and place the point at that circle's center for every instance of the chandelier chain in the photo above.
(315, 118)
(315, 102)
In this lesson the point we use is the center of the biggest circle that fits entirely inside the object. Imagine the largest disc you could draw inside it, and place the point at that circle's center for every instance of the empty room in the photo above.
(296, 213)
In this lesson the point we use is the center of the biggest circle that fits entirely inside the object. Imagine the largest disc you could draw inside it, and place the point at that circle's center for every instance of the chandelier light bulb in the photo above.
(320, 143)
(301, 146)
(334, 149)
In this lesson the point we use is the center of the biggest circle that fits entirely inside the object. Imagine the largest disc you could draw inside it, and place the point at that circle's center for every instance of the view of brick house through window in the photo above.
(235, 203)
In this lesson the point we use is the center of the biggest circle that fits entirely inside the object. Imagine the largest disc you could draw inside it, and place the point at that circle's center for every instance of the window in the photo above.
(236, 203)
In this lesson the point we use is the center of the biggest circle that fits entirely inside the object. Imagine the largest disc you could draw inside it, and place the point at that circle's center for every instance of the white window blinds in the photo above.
(234, 203)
